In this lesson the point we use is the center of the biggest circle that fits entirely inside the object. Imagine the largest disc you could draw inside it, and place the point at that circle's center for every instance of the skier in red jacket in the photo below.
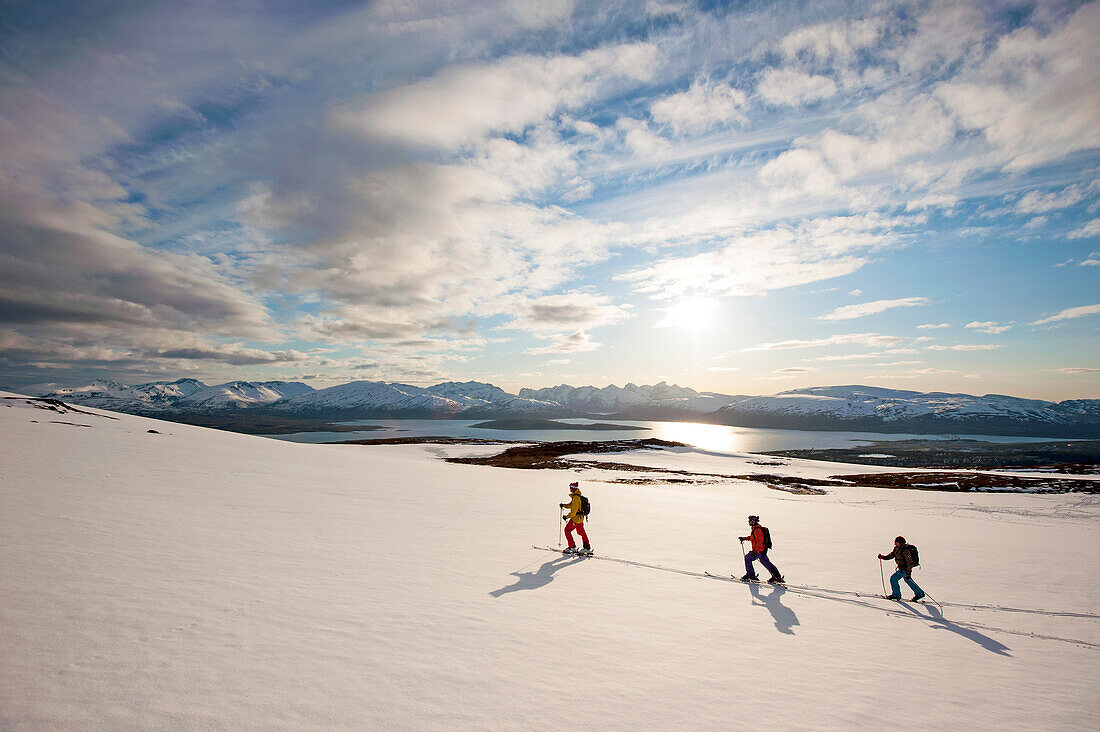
(761, 541)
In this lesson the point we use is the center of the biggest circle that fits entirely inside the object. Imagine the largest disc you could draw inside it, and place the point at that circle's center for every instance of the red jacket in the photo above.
(757, 536)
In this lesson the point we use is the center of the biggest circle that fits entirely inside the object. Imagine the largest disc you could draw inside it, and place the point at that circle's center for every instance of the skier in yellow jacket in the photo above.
(575, 519)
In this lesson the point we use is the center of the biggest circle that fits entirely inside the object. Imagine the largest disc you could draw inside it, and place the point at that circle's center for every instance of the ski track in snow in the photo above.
(810, 591)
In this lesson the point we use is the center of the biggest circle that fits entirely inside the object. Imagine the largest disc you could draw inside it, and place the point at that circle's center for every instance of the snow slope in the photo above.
(192, 578)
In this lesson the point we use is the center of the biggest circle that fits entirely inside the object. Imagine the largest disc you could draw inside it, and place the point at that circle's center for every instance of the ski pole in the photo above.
(560, 519)
(935, 601)
(881, 576)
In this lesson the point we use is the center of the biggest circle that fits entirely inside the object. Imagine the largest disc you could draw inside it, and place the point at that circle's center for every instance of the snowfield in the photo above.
(198, 579)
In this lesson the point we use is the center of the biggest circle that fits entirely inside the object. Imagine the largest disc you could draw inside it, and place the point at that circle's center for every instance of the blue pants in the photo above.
(897, 576)
(763, 557)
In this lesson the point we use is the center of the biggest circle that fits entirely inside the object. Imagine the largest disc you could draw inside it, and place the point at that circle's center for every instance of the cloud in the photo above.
(539, 13)
(792, 87)
(835, 41)
(988, 327)
(849, 312)
(236, 355)
(850, 357)
(462, 105)
(760, 261)
(702, 107)
(865, 339)
(793, 370)
(1085, 230)
(932, 326)
(578, 342)
(573, 312)
(1035, 96)
(1077, 370)
(1070, 314)
(965, 347)
(1035, 202)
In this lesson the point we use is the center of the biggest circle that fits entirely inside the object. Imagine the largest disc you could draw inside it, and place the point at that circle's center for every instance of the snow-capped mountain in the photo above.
(182, 395)
(366, 399)
(482, 396)
(866, 407)
(630, 398)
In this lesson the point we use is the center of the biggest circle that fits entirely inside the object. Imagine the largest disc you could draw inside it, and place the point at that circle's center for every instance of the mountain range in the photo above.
(860, 408)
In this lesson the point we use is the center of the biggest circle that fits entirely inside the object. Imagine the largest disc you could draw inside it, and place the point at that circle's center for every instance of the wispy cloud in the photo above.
(966, 347)
(865, 339)
(1086, 230)
(988, 327)
(1070, 314)
(932, 326)
(849, 312)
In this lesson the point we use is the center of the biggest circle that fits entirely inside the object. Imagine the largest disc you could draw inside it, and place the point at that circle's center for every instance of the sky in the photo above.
(741, 197)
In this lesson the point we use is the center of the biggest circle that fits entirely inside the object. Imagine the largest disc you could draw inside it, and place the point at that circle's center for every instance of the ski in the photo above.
(922, 601)
(734, 578)
(566, 553)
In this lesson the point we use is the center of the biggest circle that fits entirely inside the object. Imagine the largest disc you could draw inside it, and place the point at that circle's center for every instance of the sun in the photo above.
(695, 315)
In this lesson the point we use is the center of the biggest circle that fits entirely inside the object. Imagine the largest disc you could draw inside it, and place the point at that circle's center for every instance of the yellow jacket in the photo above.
(574, 507)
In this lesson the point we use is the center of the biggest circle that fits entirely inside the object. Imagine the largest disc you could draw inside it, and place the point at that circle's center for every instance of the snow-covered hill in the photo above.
(164, 576)
(182, 395)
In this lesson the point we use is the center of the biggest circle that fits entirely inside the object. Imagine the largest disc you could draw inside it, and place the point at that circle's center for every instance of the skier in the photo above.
(761, 539)
(903, 554)
(576, 522)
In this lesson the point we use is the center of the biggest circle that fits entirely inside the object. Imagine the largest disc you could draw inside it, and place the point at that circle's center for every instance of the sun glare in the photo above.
(693, 315)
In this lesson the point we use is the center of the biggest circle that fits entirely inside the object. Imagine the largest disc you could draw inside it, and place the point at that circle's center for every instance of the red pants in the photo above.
(579, 528)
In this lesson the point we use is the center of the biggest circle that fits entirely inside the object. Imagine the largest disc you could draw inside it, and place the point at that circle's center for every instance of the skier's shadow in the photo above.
(784, 617)
(935, 616)
(535, 580)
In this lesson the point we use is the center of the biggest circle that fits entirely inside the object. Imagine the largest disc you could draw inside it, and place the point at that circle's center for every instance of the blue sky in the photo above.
(738, 197)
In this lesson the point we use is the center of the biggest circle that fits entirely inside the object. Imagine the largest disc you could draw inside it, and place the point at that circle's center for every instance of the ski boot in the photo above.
(896, 598)
(776, 580)
(750, 578)
(586, 552)
(569, 550)
(918, 597)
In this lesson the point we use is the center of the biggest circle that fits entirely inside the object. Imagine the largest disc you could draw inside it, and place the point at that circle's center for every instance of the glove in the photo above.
(742, 538)
(881, 557)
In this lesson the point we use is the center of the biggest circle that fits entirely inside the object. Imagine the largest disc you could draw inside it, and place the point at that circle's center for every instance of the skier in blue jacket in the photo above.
(904, 556)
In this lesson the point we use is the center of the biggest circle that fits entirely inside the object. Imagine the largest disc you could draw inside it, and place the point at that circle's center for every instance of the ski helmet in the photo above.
(754, 519)
(574, 486)
(899, 540)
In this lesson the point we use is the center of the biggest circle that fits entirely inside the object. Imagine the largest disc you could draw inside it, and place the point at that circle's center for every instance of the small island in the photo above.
(549, 424)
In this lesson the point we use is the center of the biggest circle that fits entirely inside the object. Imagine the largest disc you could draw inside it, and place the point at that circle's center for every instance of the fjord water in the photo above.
(713, 437)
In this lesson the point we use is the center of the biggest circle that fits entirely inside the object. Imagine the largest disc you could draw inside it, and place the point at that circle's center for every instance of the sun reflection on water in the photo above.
(714, 437)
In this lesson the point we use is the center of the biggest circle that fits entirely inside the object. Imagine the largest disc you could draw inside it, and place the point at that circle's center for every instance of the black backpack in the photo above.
(586, 507)
(767, 538)
(914, 555)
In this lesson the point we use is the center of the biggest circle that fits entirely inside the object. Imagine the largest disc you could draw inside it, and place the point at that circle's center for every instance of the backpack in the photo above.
(914, 555)
(586, 507)
(767, 538)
